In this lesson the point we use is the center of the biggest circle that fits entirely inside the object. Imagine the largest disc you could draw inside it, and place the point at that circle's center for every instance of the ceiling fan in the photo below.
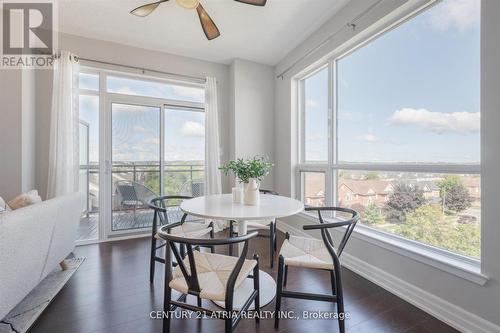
(208, 25)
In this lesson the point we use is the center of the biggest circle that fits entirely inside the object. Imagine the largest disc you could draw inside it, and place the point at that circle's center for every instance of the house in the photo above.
(364, 192)
(164, 163)
(473, 184)
(429, 187)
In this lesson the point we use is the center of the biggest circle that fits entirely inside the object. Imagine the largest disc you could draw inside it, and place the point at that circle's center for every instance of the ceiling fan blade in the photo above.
(145, 10)
(253, 2)
(208, 25)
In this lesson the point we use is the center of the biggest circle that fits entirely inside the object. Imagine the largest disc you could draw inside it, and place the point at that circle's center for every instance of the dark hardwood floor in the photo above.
(111, 293)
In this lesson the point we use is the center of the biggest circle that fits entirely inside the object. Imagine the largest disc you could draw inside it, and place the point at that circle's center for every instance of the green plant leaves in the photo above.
(257, 167)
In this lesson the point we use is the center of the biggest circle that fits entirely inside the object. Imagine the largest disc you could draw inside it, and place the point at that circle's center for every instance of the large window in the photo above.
(405, 149)
(140, 137)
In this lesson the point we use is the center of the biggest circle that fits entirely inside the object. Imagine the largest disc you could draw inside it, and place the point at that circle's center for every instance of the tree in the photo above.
(455, 196)
(428, 224)
(372, 175)
(424, 225)
(372, 214)
(405, 199)
(447, 183)
(458, 199)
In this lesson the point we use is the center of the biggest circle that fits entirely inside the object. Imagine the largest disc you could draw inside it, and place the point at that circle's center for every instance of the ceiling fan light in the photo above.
(188, 4)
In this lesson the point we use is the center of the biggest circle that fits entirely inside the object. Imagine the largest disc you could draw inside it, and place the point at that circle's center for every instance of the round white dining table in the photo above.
(222, 207)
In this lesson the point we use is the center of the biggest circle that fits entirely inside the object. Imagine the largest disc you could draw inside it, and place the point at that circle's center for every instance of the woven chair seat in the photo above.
(306, 252)
(213, 271)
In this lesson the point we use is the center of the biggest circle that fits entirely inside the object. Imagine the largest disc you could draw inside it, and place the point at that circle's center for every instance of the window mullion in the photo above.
(333, 129)
(302, 124)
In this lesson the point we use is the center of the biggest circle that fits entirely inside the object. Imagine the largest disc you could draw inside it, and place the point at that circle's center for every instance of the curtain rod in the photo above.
(351, 25)
(143, 70)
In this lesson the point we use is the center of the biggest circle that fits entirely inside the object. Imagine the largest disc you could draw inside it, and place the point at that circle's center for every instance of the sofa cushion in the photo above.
(25, 199)
(33, 241)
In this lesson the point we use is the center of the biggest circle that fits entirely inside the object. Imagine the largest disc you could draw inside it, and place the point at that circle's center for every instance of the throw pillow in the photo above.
(25, 199)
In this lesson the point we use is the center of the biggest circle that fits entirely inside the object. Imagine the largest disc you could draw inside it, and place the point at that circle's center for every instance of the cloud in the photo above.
(310, 103)
(184, 153)
(196, 94)
(192, 128)
(438, 122)
(459, 14)
(368, 137)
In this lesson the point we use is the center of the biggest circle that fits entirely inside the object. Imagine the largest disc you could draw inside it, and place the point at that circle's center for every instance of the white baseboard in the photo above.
(443, 310)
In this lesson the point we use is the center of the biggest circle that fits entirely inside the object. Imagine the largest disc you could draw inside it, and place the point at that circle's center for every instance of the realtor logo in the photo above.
(27, 29)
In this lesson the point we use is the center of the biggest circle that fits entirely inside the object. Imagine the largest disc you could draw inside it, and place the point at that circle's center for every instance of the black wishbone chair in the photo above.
(199, 275)
(185, 229)
(316, 254)
(260, 225)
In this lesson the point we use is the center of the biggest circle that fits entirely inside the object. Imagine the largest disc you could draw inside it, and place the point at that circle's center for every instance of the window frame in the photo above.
(105, 97)
(455, 263)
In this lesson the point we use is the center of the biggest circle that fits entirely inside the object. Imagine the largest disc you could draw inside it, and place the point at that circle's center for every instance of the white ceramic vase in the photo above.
(251, 195)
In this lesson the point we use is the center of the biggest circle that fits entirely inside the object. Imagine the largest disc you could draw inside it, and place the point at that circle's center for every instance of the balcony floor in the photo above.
(122, 220)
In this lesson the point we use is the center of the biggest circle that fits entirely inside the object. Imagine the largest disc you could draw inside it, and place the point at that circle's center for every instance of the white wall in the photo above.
(17, 132)
(252, 112)
(10, 133)
(28, 135)
(471, 299)
(131, 56)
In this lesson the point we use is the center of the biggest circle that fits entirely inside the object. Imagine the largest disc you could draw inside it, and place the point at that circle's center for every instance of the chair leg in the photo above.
(340, 301)
(212, 235)
(152, 260)
(279, 289)
(167, 297)
(332, 279)
(228, 322)
(182, 251)
(271, 243)
(286, 276)
(256, 287)
(231, 232)
(275, 237)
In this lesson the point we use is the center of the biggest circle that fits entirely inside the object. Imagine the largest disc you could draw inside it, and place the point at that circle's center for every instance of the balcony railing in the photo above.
(177, 179)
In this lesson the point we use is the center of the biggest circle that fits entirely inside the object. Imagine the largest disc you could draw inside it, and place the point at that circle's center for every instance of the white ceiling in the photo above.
(261, 34)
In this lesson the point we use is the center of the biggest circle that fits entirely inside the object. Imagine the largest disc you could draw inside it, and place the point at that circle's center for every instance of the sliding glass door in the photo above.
(152, 150)
(135, 164)
(140, 137)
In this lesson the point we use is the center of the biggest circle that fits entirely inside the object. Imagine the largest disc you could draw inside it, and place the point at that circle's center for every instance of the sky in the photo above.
(411, 95)
(136, 129)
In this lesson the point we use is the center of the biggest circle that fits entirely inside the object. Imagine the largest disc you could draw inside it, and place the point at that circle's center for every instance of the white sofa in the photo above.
(33, 241)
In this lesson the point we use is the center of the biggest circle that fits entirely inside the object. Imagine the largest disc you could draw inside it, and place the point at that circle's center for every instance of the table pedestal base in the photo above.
(267, 292)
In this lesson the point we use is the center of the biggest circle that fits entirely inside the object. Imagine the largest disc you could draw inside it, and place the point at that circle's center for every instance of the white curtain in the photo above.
(64, 129)
(213, 183)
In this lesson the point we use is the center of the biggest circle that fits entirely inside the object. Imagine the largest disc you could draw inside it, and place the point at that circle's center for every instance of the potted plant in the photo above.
(250, 172)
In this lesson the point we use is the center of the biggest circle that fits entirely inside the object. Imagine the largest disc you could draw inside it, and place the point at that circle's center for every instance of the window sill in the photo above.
(461, 266)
